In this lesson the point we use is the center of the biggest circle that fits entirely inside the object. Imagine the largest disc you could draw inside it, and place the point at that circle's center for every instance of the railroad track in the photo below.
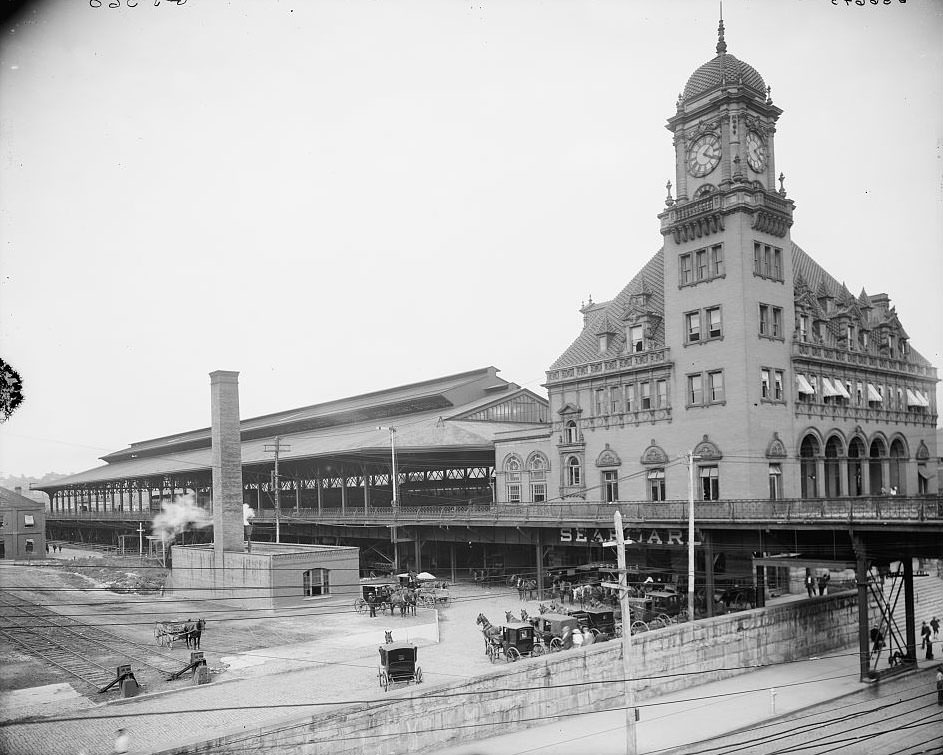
(66, 643)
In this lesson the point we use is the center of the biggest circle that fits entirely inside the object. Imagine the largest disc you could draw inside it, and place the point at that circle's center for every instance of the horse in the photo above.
(524, 616)
(396, 600)
(509, 617)
(526, 586)
(410, 598)
(488, 629)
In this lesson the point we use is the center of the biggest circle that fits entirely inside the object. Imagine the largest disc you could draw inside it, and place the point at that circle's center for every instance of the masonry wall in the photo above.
(541, 686)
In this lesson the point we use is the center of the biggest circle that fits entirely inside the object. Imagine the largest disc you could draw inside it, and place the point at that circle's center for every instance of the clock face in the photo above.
(703, 155)
(756, 152)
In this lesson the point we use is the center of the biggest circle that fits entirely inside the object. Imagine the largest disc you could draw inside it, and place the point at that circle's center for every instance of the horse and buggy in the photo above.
(555, 630)
(511, 641)
(398, 665)
(168, 632)
(600, 622)
(380, 591)
(656, 609)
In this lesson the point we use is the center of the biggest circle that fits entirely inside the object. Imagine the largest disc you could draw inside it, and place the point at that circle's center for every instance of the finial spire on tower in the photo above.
(721, 44)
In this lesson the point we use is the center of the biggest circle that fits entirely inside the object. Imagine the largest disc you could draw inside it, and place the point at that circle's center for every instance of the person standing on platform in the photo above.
(926, 642)
(939, 684)
(935, 626)
(809, 583)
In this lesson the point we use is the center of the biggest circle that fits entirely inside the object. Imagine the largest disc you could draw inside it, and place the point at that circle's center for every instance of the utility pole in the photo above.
(395, 489)
(631, 738)
(277, 448)
(141, 540)
(691, 459)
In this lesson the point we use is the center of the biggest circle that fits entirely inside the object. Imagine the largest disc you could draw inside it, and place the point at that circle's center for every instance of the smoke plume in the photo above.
(177, 516)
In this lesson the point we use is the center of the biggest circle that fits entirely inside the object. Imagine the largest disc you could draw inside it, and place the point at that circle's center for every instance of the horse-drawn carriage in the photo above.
(380, 590)
(600, 621)
(168, 632)
(515, 640)
(554, 630)
(398, 665)
(655, 609)
(433, 596)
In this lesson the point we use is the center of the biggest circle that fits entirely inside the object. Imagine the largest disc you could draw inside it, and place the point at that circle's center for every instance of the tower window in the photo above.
(701, 265)
(767, 261)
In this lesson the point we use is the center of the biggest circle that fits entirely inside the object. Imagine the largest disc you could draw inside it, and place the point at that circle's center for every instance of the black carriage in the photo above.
(553, 630)
(515, 640)
(379, 589)
(398, 665)
(600, 621)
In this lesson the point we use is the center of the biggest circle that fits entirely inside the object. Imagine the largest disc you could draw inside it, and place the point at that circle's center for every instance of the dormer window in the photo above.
(603, 343)
(804, 328)
(850, 335)
(636, 338)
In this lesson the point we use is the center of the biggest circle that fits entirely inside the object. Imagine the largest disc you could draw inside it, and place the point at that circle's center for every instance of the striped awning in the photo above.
(828, 389)
(804, 386)
(874, 394)
(915, 398)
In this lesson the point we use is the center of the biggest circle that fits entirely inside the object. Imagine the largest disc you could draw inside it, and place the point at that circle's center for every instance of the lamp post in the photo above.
(395, 487)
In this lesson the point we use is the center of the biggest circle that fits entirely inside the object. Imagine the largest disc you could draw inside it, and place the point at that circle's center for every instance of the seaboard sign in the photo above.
(638, 535)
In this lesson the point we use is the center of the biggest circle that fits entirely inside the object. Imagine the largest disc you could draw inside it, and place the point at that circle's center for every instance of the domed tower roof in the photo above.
(723, 70)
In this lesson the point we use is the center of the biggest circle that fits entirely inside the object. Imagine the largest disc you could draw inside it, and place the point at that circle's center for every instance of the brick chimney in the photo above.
(227, 467)
(18, 490)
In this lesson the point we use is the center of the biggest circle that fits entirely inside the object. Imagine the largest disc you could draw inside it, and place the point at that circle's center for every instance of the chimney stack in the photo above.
(18, 490)
(227, 467)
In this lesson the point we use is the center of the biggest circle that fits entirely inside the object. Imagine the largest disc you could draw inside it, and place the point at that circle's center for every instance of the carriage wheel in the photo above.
(639, 626)
(556, 644)
(418, 675)
(512, 654)
(595, 632)
(665, 619)
(360, 605)
(384, 681)
(538, 649)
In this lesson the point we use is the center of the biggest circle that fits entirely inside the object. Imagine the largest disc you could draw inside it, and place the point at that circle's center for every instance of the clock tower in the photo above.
(728, 262)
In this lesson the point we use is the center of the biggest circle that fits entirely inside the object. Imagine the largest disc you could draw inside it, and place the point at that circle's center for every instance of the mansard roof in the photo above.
(876, 313)
(650, 280)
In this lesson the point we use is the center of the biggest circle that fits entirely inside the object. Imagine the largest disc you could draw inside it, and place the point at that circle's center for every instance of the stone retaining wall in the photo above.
(574, 680)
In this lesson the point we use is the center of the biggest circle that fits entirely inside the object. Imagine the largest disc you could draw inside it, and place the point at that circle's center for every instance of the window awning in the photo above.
(841, 389)
(804, 386)
(828, 389)
(873, 394)
(914, 398)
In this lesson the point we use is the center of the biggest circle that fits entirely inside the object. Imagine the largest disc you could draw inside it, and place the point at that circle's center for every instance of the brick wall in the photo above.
(406, 721)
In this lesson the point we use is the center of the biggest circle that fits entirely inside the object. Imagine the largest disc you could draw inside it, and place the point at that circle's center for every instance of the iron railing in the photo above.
(875, 510)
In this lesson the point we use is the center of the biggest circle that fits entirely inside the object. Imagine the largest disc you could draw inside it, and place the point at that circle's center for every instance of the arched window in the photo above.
(898, 466)
(855, 471)
(877, 454)
(570, 433)
(809, 453)
(574, 472)
(833, 449)
(316, 582)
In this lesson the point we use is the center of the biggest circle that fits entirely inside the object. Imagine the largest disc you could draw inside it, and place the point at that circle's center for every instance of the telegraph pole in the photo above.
(691, 459)
(395, 490)
(277, 447)
(631, 737)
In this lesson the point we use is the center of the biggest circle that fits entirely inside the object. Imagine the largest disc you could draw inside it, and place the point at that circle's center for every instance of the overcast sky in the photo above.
(338, 197)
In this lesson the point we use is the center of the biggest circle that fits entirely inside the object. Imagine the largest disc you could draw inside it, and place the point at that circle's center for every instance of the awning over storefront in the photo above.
(840, 386)
(873, 394)
(804, 386)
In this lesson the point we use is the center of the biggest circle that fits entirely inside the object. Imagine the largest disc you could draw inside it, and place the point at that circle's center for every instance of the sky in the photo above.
(338, 197)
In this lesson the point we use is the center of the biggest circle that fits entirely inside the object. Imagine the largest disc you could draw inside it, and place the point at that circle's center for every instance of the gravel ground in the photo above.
(278, 659)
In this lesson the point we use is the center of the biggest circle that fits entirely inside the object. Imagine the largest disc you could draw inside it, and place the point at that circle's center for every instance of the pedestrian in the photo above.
(122, 742)
(935, 626)
(925, 641)
(939, 684)
(372, 603)
(823, 583)
(809, 583)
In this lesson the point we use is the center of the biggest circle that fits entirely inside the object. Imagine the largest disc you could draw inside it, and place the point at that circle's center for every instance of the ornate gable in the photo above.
(608, 458)
(775, 449)
(569, 409)
(654, 455)
(923, 453)
(707, 450)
